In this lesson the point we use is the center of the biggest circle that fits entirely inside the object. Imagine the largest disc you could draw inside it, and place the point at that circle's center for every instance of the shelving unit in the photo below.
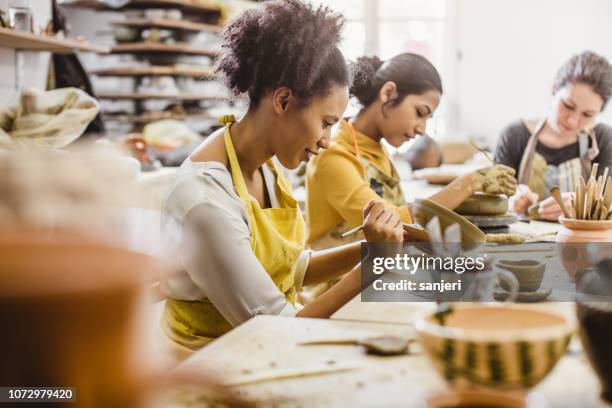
(156, 70)
(157, 96)
(144, 119)
(160, 59)
(158, 48)
(183, 5)
(20, 40)
(168, 24)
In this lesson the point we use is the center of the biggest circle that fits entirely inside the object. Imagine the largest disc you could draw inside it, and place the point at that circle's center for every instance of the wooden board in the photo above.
(404, 313)
(20, 40)
(191, 6)
(164, 23)
(268, 342)
(158, 48)
(144, 96)
(193, 72)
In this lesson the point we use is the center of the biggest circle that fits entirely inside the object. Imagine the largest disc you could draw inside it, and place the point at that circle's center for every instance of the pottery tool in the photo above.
(287, 373)
(556, 193)
(381, 346)
(483, 151)
(593, 198)
(414, 230)
(608, 193)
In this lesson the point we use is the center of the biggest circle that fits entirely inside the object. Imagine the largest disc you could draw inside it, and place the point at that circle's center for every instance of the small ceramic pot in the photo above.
(573, 237)
(494, 347)
(595, 319)
(528, 273)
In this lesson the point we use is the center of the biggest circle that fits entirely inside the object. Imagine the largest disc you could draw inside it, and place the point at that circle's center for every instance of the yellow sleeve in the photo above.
(340, 177)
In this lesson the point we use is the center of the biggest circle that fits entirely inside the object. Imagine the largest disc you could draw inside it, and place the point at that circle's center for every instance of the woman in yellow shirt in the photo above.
(397, 98)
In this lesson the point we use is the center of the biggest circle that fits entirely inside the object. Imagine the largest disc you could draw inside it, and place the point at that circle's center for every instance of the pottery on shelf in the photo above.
(483, 204)
(494, 347)
(528, 273)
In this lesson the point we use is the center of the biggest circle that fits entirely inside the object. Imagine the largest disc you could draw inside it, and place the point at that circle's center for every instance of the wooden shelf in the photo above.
(158, 48)
(144, 119)
(160, 96)
(200, 73)
(168, 24)
(188, 6)
(26, 41)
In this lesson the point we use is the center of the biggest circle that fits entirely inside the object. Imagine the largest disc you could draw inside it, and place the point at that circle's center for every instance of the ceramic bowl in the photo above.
(483, 204)
(495, 347)
(528, 273)
(584, 231)
(75, 308)
(424, 210)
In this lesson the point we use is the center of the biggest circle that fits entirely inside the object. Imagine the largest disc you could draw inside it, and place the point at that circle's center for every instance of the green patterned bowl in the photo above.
(494, 346)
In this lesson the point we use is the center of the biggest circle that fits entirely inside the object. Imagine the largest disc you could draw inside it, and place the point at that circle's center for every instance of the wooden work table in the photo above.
(269, 343)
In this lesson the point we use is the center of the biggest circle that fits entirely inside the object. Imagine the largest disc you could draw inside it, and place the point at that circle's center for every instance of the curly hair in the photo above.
(283, 43)
(411, 73)
(588, 68)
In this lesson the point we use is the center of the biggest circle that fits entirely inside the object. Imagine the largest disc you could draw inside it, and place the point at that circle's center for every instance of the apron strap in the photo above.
(237, 177)
(353, 138)
(527, 160)
(587, 154)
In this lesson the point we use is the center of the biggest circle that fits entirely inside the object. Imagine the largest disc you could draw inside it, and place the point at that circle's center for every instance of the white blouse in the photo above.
(205, 226)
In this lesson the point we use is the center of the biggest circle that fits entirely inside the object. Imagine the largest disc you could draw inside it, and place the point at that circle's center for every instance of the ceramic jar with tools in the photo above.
(589, 220)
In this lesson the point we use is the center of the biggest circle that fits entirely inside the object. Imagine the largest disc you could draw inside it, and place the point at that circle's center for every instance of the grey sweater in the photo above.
(513, 142)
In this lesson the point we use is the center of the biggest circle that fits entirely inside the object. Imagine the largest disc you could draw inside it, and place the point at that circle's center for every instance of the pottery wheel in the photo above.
(488, 221)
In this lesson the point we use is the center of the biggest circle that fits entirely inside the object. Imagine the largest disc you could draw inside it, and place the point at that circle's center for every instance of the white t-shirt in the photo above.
(205, 226)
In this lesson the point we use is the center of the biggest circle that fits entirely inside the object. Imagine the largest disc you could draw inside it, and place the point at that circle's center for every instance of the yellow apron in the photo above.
(386, 186)
(277, 239)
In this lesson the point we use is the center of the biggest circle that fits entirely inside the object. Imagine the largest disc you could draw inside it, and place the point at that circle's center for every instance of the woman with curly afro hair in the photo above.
(229, 215)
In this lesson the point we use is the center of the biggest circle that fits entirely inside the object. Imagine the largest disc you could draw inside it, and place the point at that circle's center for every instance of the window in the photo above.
(389, 27)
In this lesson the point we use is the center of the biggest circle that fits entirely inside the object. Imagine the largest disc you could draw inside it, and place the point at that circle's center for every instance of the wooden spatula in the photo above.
(556, 193)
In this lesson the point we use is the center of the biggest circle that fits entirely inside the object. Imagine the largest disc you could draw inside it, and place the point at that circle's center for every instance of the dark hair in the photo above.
(283, 43)
(589, 68)
(411, 73)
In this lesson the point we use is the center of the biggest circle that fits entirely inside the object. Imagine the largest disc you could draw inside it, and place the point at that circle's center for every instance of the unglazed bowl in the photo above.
(494, 347)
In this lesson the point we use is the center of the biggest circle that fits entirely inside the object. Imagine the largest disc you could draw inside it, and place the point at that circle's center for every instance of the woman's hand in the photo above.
(550, 210)
(523, 199)
(498, 179)
(382, 224)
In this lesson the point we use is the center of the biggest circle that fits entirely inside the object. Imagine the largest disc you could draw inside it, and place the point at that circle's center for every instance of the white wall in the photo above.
(31, 68)
(510, 51)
